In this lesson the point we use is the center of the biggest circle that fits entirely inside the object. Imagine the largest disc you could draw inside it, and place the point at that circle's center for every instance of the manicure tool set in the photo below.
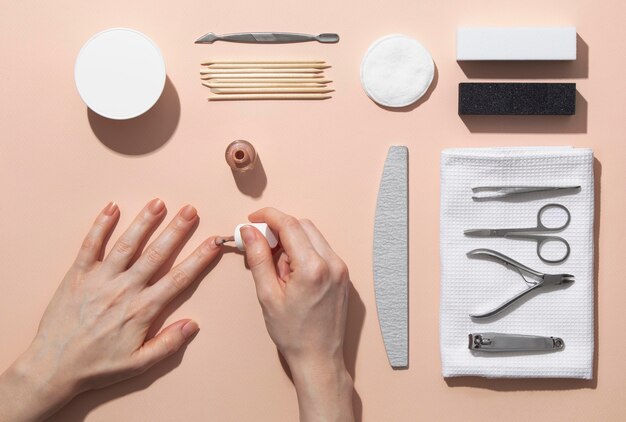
(396, 71)
(516, 271)
(492, 342)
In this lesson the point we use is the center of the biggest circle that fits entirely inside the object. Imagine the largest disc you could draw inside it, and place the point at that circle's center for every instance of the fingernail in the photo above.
(189, 329)
(188, 212)
(110, 208)
(247, 234)
(214, 242)
(156, 206)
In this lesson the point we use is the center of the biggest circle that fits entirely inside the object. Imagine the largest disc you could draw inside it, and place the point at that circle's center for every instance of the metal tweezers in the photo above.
(544, 280)
(499, 192)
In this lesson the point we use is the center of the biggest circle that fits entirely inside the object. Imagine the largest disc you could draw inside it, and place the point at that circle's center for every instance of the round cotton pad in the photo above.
(120, 73)
(396, 71)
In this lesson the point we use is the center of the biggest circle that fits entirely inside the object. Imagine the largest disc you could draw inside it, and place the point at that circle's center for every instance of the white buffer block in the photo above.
(516, 43)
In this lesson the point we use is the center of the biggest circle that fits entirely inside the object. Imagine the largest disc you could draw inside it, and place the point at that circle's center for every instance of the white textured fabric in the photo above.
(474, 285)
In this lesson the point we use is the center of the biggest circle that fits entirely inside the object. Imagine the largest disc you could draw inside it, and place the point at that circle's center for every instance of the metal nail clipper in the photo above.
(543, 280)
(499, 342)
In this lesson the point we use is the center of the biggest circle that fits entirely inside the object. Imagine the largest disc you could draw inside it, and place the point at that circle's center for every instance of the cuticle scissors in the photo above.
(527, 233)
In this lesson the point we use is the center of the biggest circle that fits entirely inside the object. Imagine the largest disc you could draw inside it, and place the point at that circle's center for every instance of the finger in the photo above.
(282, 267)
(293, 238)
(183, 275)
(159, 251)
(261, 263)
(93, 243)
(164, 344)
(337, 267)
(318, 240)
(130, 241)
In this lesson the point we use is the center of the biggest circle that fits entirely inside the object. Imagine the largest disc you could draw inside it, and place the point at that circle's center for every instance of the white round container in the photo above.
(120, 73)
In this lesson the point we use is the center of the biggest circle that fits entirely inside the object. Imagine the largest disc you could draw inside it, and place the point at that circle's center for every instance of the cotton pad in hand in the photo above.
(396, 71)
(120, 73)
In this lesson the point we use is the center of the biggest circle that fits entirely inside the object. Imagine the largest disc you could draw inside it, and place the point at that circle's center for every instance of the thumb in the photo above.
(261, 263)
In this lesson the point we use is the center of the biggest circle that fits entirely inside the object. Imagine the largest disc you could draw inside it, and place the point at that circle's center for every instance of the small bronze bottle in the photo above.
(241, 156)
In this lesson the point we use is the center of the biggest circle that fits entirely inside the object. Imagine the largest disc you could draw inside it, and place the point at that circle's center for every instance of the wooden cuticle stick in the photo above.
(231, 97)
(227, 91)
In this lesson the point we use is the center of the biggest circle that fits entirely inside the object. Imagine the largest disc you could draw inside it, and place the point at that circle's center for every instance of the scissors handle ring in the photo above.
(541, 240)
(542, 226)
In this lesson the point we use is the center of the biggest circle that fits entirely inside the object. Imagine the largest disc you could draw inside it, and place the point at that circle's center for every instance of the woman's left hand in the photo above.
(95, 330)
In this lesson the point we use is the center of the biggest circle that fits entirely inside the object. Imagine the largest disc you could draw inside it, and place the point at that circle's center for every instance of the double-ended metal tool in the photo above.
(543, 280)
(268, 38)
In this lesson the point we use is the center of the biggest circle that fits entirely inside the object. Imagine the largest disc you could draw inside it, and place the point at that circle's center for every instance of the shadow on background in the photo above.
(143, 134)
(515, 69)
(530, 124)
(420, 101)
(542, 384)
(252, 182)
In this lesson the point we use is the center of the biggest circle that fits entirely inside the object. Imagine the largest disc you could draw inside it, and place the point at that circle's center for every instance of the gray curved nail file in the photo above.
(391, 256)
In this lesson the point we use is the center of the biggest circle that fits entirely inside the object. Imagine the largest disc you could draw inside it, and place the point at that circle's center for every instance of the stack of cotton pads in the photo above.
(396, 71)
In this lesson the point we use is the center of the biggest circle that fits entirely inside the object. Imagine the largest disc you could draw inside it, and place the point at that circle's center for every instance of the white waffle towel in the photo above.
(475, 285)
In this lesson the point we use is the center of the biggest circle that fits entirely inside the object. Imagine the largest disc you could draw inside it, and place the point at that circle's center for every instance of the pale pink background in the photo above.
(59, 164)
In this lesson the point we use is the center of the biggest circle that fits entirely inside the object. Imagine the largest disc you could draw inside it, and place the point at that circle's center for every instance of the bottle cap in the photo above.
(262, 227)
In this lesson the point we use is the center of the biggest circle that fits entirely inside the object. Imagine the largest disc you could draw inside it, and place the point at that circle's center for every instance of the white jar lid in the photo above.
(120, 73)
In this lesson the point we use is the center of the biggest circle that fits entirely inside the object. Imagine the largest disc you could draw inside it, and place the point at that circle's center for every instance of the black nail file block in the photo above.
(517, 98)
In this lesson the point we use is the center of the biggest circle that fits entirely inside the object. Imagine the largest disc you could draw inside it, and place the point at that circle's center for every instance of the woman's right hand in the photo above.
(304, 297)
